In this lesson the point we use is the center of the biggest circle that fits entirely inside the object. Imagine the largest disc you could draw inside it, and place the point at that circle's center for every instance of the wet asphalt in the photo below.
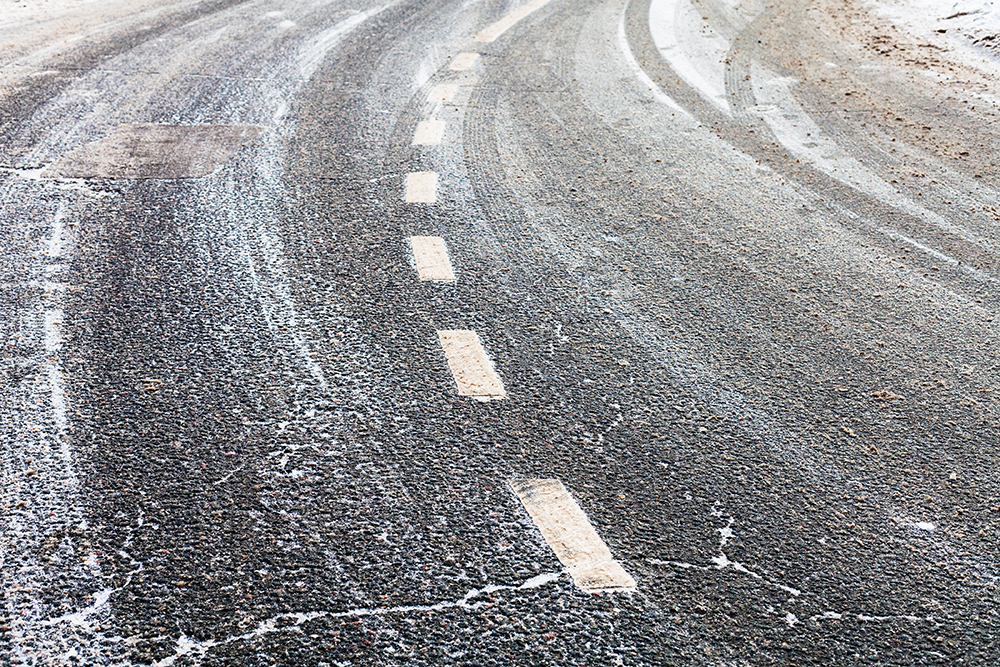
(781, 419)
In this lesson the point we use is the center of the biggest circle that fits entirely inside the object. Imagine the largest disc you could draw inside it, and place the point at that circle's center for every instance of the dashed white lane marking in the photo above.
(431, 257)
(464, 61)
(443, 92)
(572, 537)
(421, 187)
(506, 23)
(472, 369)
(428, 133)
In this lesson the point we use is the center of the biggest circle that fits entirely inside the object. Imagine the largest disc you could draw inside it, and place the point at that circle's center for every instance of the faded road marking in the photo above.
(572, 537)
(428, 133)
(421, 187)
(472, 369)
(431, 257)
(464, 61)
(443, 92)
(506, 23)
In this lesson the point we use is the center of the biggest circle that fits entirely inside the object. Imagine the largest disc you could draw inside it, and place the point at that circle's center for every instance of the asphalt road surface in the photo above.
(470, 332)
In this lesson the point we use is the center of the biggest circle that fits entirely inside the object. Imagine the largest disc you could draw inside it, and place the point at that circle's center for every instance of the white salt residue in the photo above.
(803, 137)
(38, 425)
(791, 619)
(46, 501)
(675, 563)
(541, 580)
(722, 561)
(787, 589)
(27, 174)
(58, 397)
(834, 616)
(82, 618)
(726, 533)
(428, 67)
(188, 646)
(216, 36)
(251, 230)
(826, 616)
(902, 617)
(923, 525)
(975, 274)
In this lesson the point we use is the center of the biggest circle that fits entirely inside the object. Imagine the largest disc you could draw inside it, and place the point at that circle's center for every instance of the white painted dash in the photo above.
(428, 133)
(472, 369)
(431, 257)
(571, 536)
(464, 61)
(421, 187)
(506, 23)
(443, 92)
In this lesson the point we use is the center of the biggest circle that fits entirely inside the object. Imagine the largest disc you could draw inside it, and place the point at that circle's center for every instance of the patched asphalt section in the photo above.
(147, 150)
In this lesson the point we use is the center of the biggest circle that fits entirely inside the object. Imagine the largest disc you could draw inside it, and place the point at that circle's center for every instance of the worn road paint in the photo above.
(431, 255)
(506, 23)
(572, 537)
(421, 187)
(443, 92)
(464, 61)
(472, 369)
(428, 133)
